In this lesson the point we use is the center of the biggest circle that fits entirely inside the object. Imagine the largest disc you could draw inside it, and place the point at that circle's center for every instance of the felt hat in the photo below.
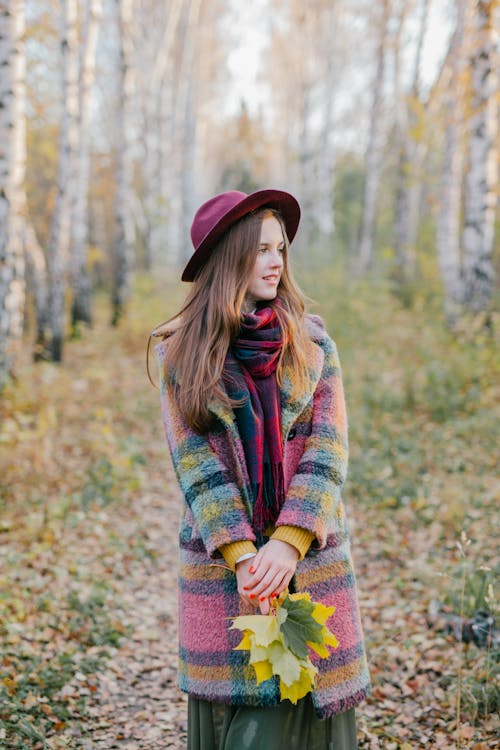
(218, 214)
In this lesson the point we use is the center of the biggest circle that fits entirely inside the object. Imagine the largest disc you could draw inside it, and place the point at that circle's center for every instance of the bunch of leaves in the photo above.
(279, 642)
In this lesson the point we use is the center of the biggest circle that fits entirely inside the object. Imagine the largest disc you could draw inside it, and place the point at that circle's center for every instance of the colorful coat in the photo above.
(212, 475)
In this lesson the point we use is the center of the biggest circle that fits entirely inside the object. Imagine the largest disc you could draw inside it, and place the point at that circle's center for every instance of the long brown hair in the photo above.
(210, 319)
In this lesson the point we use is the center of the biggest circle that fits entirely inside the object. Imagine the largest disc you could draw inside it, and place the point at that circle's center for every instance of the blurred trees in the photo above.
(81, 308)
(129, 127)
(12, 182)
(373, 160)
(123, 241)
(60, 233)
(481, 193)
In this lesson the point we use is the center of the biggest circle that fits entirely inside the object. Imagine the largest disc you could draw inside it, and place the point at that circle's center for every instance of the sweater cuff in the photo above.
(299, 538)
(232, 551)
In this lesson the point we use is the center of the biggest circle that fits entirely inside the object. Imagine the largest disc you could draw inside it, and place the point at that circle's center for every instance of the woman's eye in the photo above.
(264, 249)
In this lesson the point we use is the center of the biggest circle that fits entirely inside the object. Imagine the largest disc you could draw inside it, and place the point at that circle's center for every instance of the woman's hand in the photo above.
(245, 579)
(267, 574)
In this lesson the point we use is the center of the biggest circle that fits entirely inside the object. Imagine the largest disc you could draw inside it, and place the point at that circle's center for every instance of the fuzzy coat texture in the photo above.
(213, 478)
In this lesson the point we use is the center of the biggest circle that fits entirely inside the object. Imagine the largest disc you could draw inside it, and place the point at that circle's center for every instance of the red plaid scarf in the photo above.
(250, 372)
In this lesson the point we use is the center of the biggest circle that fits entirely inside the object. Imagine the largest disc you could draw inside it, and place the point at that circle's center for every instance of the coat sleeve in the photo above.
(208, 488)
(314, 493)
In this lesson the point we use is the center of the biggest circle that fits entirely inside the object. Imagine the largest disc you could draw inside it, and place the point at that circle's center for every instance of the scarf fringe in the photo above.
(268, 499)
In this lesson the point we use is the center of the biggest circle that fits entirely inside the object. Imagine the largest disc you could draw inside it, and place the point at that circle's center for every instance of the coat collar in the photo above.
(290, 407)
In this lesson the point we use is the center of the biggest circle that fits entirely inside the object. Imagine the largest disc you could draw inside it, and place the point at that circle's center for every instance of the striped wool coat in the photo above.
(212, 475)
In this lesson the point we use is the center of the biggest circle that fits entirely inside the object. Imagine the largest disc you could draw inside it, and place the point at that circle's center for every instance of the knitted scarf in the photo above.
(250, 372)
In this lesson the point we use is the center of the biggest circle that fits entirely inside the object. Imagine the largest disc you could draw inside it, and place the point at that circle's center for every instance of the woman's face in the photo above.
(268, 266)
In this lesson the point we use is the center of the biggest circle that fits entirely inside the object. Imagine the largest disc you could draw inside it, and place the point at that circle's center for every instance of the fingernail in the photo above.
(245, 588)
(252, 596)
(262, 598)
(251, 570)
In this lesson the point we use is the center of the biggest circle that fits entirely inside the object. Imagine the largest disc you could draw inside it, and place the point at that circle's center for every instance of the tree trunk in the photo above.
(482, 175)
(448, 220)
(157, 139)
(372, 160)
(123, 244)
(36, 279)
(411, 156)
(81, 307)
(306, 147)
(325, 181)
(183, 198)
(12, 190)
(58, 253)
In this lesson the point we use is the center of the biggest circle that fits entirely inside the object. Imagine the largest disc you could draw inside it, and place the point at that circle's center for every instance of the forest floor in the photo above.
(89, 511)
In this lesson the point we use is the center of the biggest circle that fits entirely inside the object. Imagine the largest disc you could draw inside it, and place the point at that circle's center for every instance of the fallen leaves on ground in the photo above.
(88, 550)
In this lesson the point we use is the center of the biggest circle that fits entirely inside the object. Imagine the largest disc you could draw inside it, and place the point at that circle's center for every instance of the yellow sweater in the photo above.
(299, 538)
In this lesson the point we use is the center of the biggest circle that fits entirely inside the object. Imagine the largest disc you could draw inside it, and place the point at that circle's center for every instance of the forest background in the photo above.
(117, 119)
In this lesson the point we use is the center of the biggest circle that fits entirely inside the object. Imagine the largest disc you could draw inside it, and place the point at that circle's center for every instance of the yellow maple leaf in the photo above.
(263, 671)
(300, 595)
(329, 638)
(320, 649)
(265, 628)
(284, 662)
(297, 689)
(246, 642)
(321, 613)
(258, 653)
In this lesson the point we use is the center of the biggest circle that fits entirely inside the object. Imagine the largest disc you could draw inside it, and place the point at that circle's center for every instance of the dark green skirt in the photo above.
(214, 726)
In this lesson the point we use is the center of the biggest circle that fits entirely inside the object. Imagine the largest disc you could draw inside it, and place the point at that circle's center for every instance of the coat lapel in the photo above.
(290, 407)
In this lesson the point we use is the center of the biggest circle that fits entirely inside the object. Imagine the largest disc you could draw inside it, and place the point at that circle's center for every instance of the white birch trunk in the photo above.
(12, 189)
(482, 175)
(58, 252)
(306, 146)
(372, 160)
(123, 243)
(411, 157)
(182, 196)
(157, 139)
(448, 219)
(324, 214)
(36, 280)
(81, 307)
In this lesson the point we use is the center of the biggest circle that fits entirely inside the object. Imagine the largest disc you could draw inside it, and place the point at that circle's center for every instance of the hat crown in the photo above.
(210, 213)
(218, 214)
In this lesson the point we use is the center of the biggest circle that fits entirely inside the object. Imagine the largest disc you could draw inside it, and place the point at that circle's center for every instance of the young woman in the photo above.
(254, 416)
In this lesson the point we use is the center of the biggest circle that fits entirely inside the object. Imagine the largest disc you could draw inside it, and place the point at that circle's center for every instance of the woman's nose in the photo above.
(277, 258)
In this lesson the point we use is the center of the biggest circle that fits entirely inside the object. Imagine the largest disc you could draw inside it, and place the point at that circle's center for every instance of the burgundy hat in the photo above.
(215, 216)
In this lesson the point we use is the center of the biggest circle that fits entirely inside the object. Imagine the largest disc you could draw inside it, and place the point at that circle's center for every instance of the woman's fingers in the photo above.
(267, 574)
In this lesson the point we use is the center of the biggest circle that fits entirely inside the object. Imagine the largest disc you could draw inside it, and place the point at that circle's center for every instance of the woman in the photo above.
(254, 416)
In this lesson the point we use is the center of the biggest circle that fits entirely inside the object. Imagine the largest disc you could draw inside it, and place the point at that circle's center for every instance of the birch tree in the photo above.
(36, 280)
(157, 81)
(187, 126)
(482, 169)
(372, 158)
(411, 150)
(58, 251)
(12, 189)
(330, 36)
(123, 242)
(304, 80)
(448, 220)
(81, 306)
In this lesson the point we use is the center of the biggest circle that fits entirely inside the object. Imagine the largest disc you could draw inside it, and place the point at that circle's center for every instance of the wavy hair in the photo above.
(210, 320)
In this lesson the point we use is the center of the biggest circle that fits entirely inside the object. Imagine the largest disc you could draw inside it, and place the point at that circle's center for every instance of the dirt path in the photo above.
(92, 498)
(136, 704)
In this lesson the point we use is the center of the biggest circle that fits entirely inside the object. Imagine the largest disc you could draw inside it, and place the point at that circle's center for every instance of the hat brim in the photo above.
(282, 201)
